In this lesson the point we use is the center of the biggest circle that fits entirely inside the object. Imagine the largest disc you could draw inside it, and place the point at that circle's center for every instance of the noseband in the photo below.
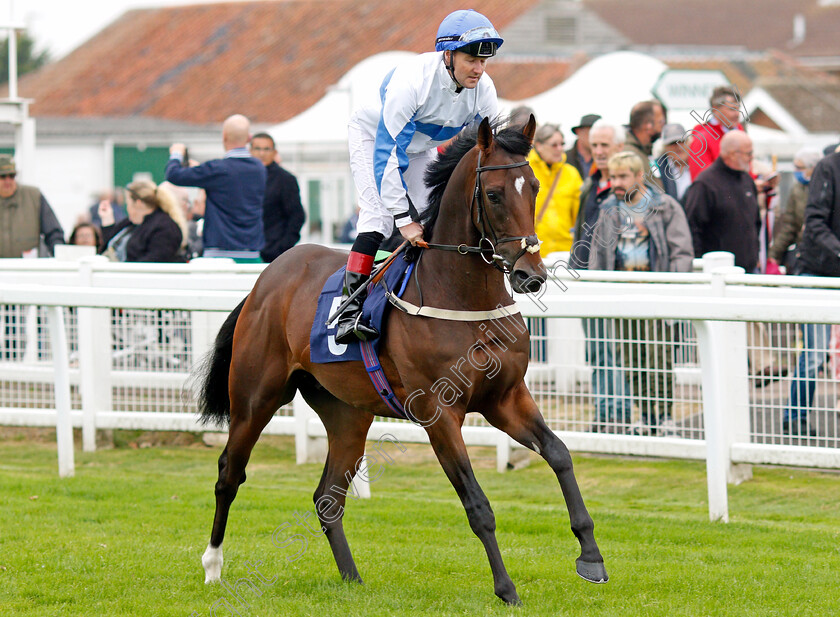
(488, 243)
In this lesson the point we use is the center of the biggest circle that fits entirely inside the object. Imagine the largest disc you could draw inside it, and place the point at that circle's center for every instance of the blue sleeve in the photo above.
(204, 176)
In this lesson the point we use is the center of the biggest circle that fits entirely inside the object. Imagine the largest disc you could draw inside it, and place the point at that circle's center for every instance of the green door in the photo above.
(131, 160)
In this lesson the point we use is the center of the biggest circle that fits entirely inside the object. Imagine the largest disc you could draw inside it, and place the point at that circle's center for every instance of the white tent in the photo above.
(608, 86)
(326, 121)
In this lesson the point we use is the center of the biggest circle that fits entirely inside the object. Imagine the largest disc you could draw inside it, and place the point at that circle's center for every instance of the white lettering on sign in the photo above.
(687, 89)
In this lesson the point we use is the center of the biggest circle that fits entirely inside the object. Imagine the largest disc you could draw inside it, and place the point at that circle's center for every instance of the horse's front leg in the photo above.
(445, 437)
(518, 415)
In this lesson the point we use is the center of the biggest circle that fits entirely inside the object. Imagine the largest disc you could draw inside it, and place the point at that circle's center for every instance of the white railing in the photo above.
(84, 363)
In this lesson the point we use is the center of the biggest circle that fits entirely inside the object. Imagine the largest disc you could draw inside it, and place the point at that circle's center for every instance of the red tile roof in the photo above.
(267, 60)
(746, 73)
(521, 80)
(752, 24)
(812, 97)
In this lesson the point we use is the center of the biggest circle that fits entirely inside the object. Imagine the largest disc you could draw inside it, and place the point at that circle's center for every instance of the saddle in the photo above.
(322, 345)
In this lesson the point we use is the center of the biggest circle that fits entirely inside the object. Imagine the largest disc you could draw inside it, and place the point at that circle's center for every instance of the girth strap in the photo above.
(380, 382)
(450, 315)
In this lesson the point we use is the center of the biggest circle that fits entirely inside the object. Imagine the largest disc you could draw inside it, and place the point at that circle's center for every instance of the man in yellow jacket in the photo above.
(559, 197)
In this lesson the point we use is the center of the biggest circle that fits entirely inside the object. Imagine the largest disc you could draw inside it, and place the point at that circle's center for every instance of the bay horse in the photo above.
(482, 201)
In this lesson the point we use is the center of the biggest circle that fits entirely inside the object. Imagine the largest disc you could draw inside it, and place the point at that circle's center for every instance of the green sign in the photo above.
(132, 162)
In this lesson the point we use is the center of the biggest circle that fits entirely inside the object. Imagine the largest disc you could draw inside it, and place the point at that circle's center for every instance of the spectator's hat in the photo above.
(831, 149)
(7, 164)
(672, 133)
(586, 122)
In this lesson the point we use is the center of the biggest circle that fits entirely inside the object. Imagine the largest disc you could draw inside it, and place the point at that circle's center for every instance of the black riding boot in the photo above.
(350, 326)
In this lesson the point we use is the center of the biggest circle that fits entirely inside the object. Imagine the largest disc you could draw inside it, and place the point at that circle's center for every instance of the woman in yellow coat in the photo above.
(559, 198)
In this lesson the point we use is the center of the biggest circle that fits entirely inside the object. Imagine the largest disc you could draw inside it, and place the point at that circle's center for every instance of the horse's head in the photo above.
(503, 209)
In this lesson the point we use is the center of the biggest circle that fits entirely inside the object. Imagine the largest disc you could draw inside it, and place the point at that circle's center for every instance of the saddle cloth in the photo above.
(322, 345)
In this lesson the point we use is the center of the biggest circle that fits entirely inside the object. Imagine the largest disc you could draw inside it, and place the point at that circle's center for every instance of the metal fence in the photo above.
(686, 366)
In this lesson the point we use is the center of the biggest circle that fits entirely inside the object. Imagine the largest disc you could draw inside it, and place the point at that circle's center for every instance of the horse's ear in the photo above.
(530, 129)
(485, 135)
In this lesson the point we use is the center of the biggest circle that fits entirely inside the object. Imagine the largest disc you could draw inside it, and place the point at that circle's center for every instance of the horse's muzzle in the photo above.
(524, 283)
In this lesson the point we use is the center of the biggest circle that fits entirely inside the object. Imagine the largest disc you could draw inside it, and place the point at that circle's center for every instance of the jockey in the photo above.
(425, 101)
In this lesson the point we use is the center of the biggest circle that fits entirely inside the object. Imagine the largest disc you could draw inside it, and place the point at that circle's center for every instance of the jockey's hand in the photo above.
(412, 232)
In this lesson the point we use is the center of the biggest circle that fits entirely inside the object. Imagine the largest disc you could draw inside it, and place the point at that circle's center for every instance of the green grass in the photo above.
(126, 534)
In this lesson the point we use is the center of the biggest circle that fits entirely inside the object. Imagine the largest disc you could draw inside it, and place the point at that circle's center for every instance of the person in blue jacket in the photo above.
(235, 186)
(424, 102)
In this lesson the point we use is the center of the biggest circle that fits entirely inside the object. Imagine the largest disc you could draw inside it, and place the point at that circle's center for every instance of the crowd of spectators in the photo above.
(649, 196)
(244, 206)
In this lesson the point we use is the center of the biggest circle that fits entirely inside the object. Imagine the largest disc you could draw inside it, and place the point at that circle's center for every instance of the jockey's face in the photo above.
(468, 69)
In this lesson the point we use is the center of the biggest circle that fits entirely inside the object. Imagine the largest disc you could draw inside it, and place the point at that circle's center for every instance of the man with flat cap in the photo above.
(673, 162)
(579, 155)
(25, 216)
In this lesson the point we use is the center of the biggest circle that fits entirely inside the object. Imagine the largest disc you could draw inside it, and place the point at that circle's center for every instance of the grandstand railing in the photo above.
(95, 344)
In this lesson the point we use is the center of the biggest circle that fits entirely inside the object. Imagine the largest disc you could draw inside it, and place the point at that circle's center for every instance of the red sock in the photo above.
(360, 263)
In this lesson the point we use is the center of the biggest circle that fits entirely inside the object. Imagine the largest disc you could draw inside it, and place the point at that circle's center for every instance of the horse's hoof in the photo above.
(352, 578)
(212, 561)
(514, 601)
(594, 572)
(509, 596)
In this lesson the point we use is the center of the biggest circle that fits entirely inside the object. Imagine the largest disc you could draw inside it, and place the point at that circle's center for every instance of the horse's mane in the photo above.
(510, 139)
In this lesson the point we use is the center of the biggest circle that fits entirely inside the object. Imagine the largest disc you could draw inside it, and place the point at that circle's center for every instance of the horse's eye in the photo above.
(494, 197)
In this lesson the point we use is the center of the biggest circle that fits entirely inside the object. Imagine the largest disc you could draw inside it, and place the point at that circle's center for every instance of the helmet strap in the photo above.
(451, 69)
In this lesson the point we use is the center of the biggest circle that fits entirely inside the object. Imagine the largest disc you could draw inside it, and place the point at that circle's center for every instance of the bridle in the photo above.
(487, 245)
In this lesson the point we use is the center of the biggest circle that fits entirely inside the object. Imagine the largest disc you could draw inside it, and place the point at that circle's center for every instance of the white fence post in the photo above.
(94, 338)
(711, 340)
(736, 416)
(503, 450)
(29, 331)
(723, 358)
(307, 449)
(63, 424)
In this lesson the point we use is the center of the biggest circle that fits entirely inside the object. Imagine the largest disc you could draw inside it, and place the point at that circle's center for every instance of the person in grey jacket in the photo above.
(643, 230)
(788, 232)
(26, 219)
(654, 221)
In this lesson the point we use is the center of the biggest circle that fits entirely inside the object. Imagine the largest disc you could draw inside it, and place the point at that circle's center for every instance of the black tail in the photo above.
(213, 397)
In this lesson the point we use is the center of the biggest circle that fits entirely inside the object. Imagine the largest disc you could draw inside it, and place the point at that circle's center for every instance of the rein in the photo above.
(489, 243)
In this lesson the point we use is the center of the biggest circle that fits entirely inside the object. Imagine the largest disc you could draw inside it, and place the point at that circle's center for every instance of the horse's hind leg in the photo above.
(519, 416)
(252, 406)
(347, 430)
(445, 437)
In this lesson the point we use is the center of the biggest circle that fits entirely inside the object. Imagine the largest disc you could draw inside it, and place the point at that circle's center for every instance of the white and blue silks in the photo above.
(392, 144)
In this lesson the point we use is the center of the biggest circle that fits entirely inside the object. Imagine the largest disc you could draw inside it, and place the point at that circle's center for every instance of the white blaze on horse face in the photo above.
(212, 561)
(519, 183)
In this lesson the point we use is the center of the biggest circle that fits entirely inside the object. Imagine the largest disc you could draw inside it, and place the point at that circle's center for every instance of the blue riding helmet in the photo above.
(470, 32)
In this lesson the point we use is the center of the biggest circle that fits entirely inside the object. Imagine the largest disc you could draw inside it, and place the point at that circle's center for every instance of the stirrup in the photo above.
(363, 331)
